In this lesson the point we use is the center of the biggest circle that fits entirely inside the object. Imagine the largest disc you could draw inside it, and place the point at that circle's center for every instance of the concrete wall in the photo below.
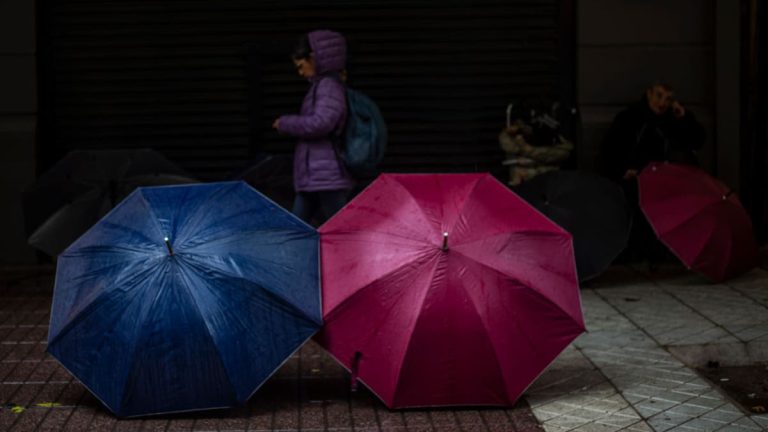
(18, 122)
(624, 45)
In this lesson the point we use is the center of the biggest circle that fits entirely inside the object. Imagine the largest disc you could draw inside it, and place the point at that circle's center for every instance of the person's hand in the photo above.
(630, 174)
(677, 109)
(276, 124)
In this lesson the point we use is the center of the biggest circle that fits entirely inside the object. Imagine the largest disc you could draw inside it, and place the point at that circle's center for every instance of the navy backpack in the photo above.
(364, 138)
(361, 144)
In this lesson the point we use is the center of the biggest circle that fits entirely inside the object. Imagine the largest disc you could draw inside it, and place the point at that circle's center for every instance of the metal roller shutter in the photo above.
(201, 81)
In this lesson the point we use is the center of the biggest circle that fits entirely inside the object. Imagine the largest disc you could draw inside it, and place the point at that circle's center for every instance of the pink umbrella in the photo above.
(699, 219)
(446, 289)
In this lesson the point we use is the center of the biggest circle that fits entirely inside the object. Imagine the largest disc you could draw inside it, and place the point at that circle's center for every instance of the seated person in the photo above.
(532, 150)
(656, 128)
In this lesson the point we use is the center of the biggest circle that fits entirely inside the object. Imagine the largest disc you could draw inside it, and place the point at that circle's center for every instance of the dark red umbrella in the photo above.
(446, 289)
(699, 219)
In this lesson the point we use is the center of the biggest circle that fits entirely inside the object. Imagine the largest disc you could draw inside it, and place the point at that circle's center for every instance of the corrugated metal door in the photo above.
(201, 81)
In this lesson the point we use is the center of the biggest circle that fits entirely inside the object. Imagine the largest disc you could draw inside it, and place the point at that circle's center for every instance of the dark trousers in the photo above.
(319, 206)
(643, 244)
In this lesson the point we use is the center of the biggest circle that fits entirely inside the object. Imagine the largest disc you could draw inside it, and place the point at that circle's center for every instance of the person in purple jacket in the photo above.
(321, 183)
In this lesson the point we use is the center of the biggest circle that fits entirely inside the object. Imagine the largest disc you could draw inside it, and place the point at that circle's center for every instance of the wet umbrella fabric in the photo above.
(699, 219)
(83, 186)
(591, 208)
(426, 318)
(271, 175)
(197, 323)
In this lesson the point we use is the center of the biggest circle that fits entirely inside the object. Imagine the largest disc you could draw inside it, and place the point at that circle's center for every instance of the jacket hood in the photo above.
(330, 51)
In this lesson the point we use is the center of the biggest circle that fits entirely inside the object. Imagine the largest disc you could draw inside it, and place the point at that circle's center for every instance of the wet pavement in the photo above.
(634, 370)
(310, 392)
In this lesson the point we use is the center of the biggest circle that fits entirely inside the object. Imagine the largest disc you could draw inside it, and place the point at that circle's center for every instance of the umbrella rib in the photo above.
(148, 270)
(516, 279)
(288, 306)
(490, 342)
(238, 236)
(185, 283)
(466, 201)
(415, 323)
(132, 356)
(520, 330)
(366, 240)
(330, 314)
(682, 222)
(416, 203)
(193, 263)
(196, 218)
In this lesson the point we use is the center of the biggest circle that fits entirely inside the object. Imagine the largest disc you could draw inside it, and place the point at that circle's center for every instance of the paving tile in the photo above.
(416, 419)
(567, 421)
(103, 421)
(620, 419)
(55, 419)
(701, 424)
(337, 414)
(363, 409)
(639, 427)
(496, 420)
(447, 418)
(29, 420)
(746, 422)
(723, 414)
(736, 428)
(650, 407)
(689, 410)
(180, 425)
(596, 427)
(761, 420)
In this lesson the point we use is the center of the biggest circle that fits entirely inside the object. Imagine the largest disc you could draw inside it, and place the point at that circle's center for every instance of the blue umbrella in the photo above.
(185, 298)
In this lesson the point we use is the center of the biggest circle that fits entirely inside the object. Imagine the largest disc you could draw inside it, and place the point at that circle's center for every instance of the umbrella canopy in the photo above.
(699, 219)
(591, 208)
(83, 186)
(446, 290)
(271, 175)
(193, 322)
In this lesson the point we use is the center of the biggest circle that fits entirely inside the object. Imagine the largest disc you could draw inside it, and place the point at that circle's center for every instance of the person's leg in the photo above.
(331, 202)
(634, 249)
(304, 206)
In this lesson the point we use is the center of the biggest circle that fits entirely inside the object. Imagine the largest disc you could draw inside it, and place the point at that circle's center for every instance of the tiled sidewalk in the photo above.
(621, 375)
(625, 374)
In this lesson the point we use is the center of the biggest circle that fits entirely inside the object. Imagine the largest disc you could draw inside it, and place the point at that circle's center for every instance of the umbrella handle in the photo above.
(354, 370)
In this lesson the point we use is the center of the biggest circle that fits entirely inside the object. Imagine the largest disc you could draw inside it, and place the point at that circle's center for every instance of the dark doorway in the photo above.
(754, 151)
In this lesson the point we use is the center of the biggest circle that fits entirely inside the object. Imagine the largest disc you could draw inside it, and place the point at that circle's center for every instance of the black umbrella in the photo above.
(83, 186)
(591, 208)
(272, 175)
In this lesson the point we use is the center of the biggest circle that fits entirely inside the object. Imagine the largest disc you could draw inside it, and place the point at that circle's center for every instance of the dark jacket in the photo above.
(638, 136)
(323, 112)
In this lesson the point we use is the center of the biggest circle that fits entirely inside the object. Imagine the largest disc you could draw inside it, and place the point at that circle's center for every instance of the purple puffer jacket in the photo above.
(315, 164)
